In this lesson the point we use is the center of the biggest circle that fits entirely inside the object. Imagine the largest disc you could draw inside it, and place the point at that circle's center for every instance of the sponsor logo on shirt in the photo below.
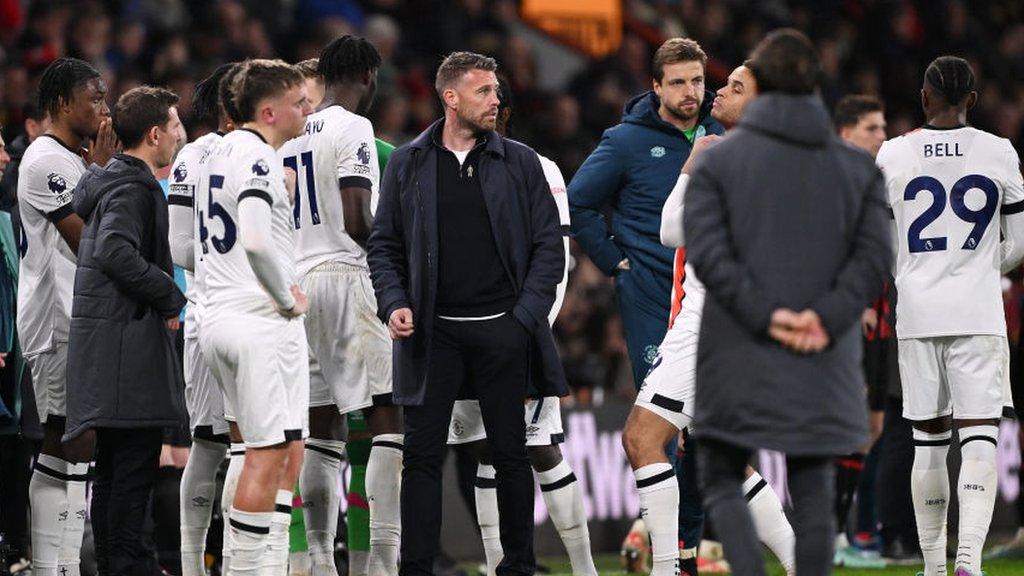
(257, 184)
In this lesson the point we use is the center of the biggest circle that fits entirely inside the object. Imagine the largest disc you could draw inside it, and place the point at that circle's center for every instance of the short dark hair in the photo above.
(676, 50)
(259, 79)
(308, 68)
(952, 77)
(206, 98)
(138, 110)
(60, 79)
(347, 58)
(226, 94)
(853, 107)
(458, 63)
(786, 61)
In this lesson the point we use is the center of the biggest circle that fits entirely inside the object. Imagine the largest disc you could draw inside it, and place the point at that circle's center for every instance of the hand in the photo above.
(105, 145)
(801, 332)
(3, 359)
(300, 307)
(624, 265)
(869, 320)
(400, 324)
(173, 324)
(702, 143)
(289, 183)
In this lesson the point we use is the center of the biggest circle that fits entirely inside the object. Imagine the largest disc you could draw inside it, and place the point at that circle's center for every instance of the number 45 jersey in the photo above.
(336, 151)
(239, 166)
(948, 190)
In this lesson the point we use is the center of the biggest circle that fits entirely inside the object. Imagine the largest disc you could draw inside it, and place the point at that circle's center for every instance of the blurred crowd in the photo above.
(877, 47)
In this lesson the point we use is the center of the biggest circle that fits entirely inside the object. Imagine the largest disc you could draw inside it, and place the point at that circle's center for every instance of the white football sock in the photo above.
(358, 561)
(562, 497)
(277, 558)
(69, 558)
(976, 492)
(48, 494)
(929, 486)
(318, 484)
(198, 486)
(770, 522)
(383, 487)
(227, 499)
(486, 491)
(659, 507)
(249, 535)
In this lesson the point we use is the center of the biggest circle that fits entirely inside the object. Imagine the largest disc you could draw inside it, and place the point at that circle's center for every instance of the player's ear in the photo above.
(924, 99)
(972, 99)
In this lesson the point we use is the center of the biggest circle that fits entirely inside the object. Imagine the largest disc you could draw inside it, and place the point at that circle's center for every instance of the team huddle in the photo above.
(272, 218)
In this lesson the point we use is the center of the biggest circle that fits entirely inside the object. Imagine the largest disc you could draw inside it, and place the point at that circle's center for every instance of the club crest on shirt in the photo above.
(180, 173)
(56, 183)
(261, 168)
(363, 154)
(657, 151)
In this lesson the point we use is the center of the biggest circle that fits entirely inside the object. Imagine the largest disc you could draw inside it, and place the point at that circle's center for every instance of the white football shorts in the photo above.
(962, 376)
(50, 380)
(543, 422)
(669, 388)
(203, 398)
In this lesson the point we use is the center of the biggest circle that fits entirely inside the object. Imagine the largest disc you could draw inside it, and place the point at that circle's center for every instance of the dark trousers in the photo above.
(126, 471)
(811, 485)
(895, 504)
(489, 360)
(16, 454)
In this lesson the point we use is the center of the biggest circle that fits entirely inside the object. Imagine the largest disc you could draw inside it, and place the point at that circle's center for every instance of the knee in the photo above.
(544, 458)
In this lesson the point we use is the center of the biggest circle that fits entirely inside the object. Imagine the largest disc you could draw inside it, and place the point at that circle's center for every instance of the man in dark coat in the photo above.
(122, 367)
(465, 255)
(780, 217)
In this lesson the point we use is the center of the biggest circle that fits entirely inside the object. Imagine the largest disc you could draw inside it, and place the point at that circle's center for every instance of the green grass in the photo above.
(608, 565)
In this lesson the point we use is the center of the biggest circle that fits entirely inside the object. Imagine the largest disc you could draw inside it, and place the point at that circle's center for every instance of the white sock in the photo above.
(486, 492)
(198, 484)
(69, 558)
(562, 497)
(358, 561)
(383, 487)
(770, 522)
(227, 499)
(48, 494)
(249, 535)
(318, 484)
(277, 559)
(976, 492)
(659, 507)
(929, 486)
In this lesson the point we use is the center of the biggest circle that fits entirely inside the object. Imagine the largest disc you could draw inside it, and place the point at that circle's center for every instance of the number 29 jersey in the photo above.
(240, 165)
(947, 189)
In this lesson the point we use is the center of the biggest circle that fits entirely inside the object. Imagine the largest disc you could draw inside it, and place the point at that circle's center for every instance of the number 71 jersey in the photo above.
(337, 150)
(947, 189)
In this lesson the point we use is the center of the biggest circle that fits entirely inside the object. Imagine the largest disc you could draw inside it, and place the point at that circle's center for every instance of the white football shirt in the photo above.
(241, 164)
(336, 151)
(47, 177)
(947, 189)
(557, 184)
(181, 191)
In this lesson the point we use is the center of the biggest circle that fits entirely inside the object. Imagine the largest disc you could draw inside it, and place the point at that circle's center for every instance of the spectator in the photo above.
(126, 303)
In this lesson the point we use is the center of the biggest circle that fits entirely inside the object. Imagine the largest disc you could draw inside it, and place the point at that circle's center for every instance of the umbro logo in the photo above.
(63, 516)
(201, 502)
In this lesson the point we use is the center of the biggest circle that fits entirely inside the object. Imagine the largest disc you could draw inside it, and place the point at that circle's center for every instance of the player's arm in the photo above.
(118, 254)
(358, 176)
(385, 248)
(255, 226)
(557, 185)
(181, 223)
(672, 215)
(48, 189)
(547, 260)
(70, 229)
(595, 184)
(1011, 214)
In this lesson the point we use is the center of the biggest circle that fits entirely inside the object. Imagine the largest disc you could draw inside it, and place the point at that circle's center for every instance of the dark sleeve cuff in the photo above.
(1013, 208)
(355, 182)
(180, 200)
(60, 213)
(252, 193)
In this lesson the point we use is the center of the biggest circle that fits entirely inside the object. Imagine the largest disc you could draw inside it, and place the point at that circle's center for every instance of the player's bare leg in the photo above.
(930, 490)
(644, 438)
(383, 483)
(283, 509)
(976, 490)
(252, 512)
(318, 484)
(57, 495)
